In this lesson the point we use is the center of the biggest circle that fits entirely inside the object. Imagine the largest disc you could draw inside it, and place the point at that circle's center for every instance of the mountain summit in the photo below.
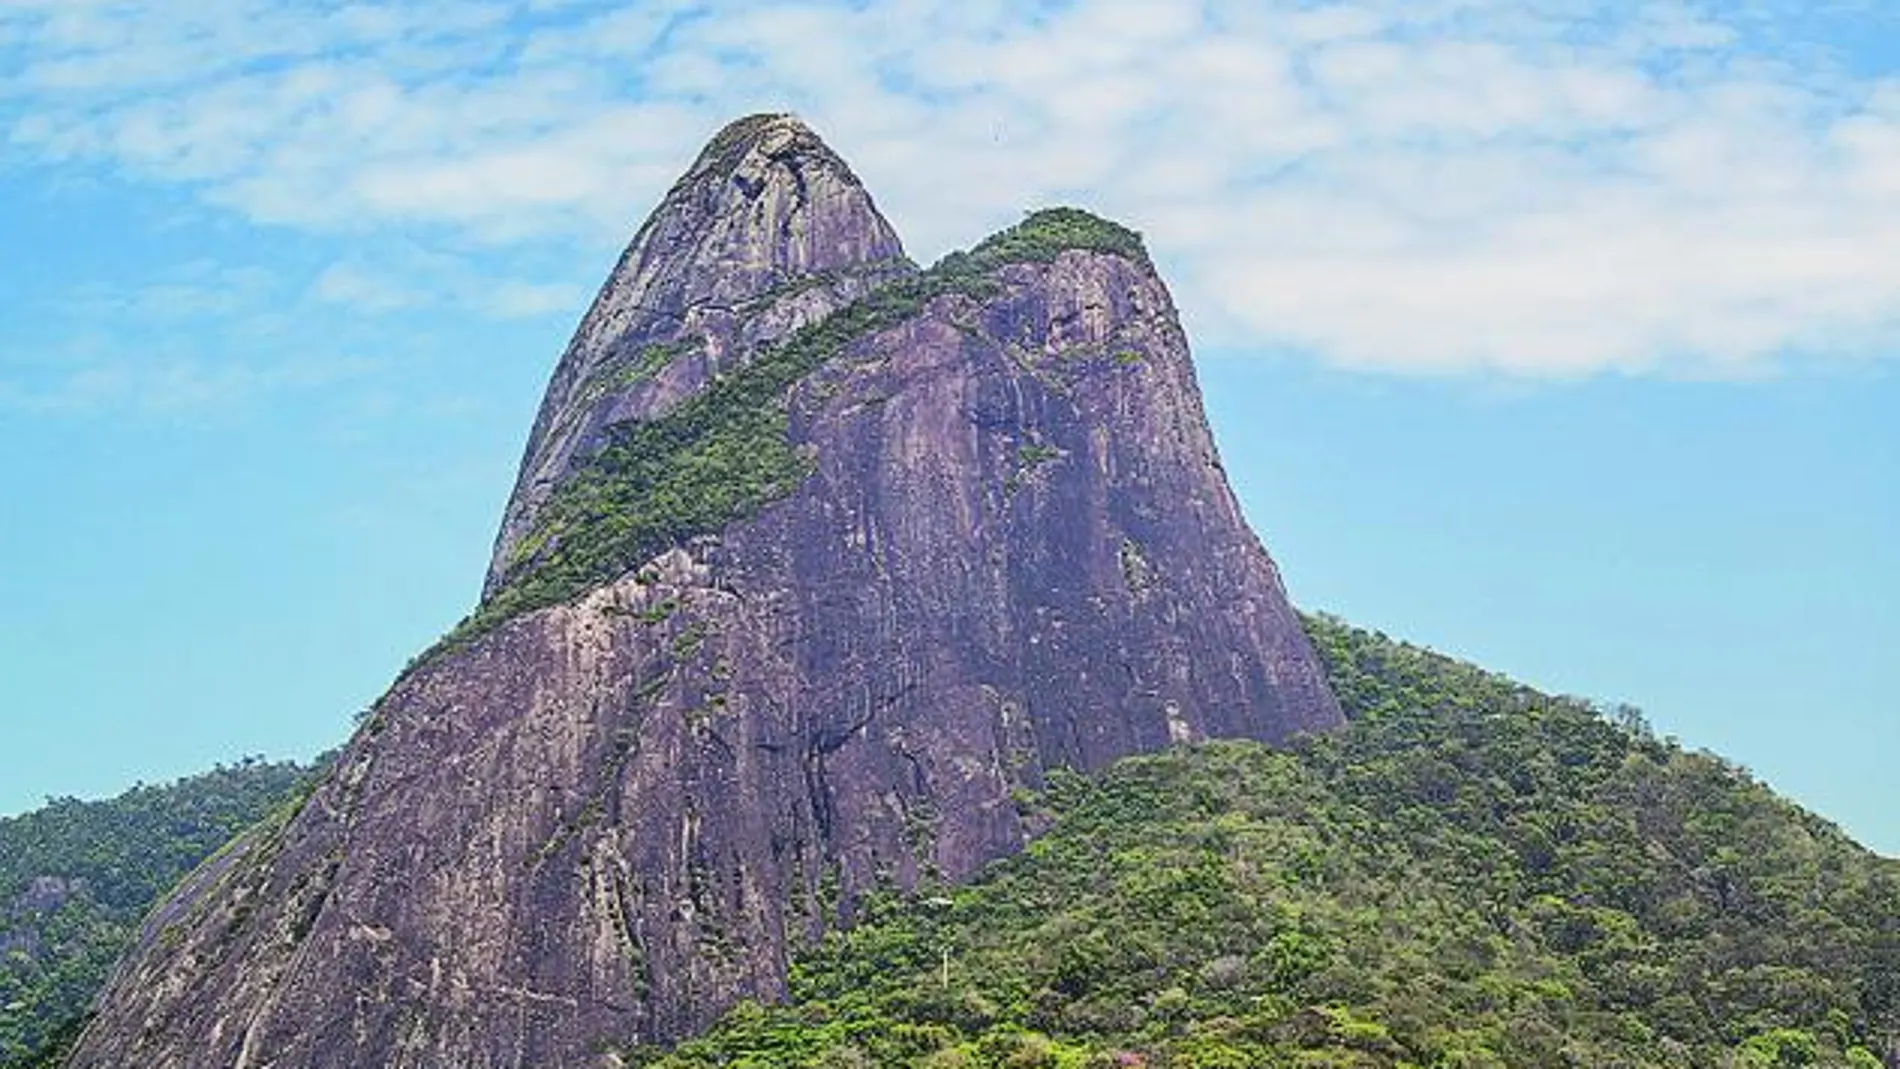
(816, 564)
(768, 231)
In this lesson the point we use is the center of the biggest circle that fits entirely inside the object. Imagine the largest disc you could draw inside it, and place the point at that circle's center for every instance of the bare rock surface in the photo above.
(604, 821)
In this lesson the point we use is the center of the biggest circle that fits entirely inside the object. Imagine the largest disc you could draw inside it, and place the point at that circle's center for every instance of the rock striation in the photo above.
(816, 563)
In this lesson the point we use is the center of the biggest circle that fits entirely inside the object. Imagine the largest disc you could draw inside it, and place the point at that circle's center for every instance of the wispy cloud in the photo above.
(1554, 188)
(409, 278)
(204, 337)
(162, 385)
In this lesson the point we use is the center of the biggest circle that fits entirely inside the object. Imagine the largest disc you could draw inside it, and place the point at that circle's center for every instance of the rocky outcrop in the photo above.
(984, 533)
(23, 920)
(44, 894)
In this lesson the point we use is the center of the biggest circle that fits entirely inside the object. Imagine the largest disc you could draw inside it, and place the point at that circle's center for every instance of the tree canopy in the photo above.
(1472, 875)
(76, 877)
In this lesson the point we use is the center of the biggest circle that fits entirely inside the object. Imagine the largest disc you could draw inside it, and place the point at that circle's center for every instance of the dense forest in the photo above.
(1473, 875)
(76, 877)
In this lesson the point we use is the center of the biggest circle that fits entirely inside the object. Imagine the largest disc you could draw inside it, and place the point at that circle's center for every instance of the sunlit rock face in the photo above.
(602, 822)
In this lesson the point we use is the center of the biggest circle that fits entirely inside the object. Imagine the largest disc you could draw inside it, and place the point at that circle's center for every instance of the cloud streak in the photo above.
(202, 338)
(1552, 189)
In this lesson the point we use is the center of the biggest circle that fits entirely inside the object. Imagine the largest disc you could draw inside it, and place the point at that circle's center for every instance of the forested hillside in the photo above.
(1472, 875)
(76, 877)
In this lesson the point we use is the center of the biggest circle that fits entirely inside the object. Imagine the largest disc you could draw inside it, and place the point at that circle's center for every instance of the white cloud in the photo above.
(200, 338)
(1552, 188)
(352, 285)
(408, 279)
(517, 298)
(151, 386)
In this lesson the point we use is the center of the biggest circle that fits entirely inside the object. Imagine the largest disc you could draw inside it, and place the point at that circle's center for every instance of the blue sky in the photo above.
(1558, 335)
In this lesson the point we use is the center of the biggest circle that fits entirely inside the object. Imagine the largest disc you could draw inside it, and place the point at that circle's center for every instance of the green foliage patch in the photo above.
(1044, 235)
(114, 858)
(1472, 875)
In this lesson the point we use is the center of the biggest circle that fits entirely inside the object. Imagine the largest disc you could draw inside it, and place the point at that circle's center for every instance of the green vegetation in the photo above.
(798, 284)
(76, 877)
(725, 452)
(1036, 455)
(1029, 458)
(1049, 233)
(1473, 875)
(53, 1051)
(659, 611)
(688, 642)
(633, 369)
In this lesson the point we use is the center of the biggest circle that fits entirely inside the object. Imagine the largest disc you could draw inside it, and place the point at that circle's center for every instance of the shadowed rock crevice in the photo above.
(825, 561)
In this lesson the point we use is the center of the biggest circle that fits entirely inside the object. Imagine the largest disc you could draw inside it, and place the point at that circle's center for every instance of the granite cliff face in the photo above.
(814, 563)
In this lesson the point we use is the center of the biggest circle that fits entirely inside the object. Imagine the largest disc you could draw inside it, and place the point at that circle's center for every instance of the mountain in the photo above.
(1472, 875)
(818, 565)
(76, 877)
(768, 232)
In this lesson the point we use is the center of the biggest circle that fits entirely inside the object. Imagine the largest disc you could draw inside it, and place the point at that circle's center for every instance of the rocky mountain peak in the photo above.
(767, 231)
(766, 201)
